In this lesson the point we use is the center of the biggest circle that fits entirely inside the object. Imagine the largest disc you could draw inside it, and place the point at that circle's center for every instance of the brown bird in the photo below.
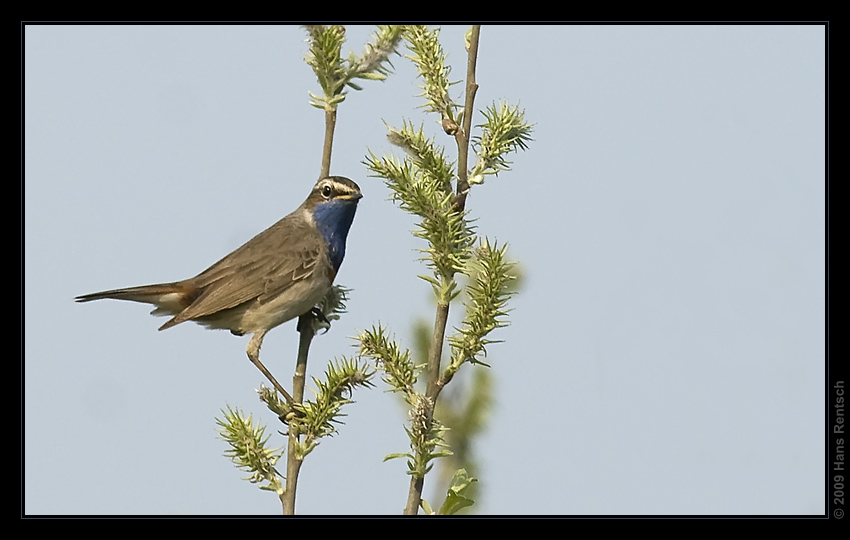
(280, 274)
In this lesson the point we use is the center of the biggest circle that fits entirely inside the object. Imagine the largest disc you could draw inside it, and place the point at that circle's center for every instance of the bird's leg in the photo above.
(254, 356)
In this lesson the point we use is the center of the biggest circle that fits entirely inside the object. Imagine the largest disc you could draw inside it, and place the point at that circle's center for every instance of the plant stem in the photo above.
(305, 329)
(435, 351)
(293, 459)
(414, 495)
(462, 135)
(330, 125)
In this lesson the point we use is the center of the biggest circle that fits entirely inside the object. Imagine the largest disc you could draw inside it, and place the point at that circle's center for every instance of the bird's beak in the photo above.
(350, 196)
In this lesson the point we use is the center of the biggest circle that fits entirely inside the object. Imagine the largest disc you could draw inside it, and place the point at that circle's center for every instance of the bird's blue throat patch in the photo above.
(333, 219)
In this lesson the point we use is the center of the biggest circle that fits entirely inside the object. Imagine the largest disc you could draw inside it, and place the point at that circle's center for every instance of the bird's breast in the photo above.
(333, 220)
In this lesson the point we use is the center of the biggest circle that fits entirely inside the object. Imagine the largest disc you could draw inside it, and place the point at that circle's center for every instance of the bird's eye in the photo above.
(326, 191)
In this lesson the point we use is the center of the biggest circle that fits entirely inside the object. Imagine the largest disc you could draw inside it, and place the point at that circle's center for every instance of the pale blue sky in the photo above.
(666, 355)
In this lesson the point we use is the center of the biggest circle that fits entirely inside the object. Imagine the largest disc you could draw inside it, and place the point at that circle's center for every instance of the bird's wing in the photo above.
(287, 252)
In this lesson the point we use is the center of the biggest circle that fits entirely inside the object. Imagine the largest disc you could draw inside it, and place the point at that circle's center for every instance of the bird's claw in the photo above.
(316, 312)
(317, 315)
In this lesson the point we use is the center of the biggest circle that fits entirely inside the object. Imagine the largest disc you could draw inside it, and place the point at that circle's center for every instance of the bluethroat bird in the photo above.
(280, 274)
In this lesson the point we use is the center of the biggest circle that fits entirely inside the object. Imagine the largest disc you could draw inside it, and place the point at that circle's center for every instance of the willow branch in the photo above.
(462, 135)
(293, 457)
(435, 351)
(330, 125)
(306, 331)
(414, 495)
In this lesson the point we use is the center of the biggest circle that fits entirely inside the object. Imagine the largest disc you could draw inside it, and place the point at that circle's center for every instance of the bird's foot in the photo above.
(315, 319)
(316, 312)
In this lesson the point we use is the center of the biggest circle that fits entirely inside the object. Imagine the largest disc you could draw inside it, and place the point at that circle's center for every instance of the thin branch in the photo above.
(307, 420)
(462, 136)
(435, 351)
(414, 495)
(330, 125)
(305, 329)
(293, 456)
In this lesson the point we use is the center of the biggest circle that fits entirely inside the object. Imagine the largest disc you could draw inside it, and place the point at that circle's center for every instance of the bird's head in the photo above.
(334, 188)
(332, 204)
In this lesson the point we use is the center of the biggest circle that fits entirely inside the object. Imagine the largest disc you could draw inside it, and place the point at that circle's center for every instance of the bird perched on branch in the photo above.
(280, 274)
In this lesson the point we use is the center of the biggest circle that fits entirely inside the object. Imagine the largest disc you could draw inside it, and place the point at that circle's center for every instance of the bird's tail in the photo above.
(169, 298)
